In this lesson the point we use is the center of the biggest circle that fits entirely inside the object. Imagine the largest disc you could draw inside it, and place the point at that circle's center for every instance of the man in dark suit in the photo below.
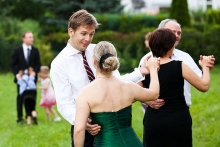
(23, 57)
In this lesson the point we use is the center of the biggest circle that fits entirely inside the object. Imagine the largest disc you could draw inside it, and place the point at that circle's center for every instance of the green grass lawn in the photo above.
(205, 112)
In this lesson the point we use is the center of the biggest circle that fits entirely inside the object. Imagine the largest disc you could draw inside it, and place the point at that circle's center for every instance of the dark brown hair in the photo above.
(82, 18)
(161, 41)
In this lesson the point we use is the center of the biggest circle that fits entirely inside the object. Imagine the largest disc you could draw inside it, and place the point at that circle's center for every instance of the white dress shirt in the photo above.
(69, 76)
(25, 47)
(187, 59)
(25, 50)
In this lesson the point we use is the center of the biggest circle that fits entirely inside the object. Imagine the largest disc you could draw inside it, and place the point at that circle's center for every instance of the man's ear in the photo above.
(70, 31)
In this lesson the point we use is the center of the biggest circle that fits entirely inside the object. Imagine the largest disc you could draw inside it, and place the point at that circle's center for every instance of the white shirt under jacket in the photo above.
(69, 76)
(187, 59)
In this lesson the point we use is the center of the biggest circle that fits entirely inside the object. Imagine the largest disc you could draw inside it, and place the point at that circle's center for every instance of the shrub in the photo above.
(5, 54)
(191, 42)
(126, 23)
(212, 17)
(211, 41)
(198, 19)
(46, 54)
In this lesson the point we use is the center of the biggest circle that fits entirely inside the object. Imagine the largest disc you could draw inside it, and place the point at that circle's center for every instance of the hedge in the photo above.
(126, 23)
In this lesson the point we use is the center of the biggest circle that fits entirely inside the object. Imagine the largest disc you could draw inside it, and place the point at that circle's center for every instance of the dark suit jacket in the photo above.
(18, 61)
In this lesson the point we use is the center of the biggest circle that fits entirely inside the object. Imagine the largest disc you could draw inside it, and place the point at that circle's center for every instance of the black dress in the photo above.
(169, 126)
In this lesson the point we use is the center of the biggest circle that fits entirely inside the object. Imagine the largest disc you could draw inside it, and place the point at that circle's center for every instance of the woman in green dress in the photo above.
(107, 100)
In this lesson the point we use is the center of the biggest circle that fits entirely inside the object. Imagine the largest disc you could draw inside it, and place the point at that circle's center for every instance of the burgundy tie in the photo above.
(88, 69)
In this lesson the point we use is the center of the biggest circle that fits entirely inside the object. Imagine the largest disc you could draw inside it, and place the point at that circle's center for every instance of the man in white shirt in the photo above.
(69, 75)
(178, 55)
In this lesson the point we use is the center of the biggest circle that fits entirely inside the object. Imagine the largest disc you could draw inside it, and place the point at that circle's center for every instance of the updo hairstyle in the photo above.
(106, 56)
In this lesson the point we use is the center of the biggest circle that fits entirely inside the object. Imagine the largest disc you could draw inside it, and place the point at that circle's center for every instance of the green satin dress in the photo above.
(116, 130)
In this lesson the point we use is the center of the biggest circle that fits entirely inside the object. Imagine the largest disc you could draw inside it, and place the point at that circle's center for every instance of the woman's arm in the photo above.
(45, 86)
(203, 83)
(138, 74)
(82, 114)
(144, 94)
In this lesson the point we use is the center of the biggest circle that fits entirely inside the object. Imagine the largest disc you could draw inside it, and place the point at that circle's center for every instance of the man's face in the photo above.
(28, 39)
(81, 37)
(176, 30)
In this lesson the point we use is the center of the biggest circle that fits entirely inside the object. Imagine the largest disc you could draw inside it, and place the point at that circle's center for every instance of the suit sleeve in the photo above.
(37, 62)
(14, 61)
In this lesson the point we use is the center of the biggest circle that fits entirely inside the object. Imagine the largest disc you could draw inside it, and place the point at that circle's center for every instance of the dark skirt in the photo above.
(167, 128)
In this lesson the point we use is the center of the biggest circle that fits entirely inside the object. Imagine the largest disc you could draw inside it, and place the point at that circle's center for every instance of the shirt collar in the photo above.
(174, 52)
(26, 47)
(71, 50)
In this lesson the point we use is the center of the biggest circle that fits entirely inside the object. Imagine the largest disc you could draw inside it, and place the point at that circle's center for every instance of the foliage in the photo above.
(53, 14)
(5, 55)
(212, 17)
(126, 23)
(16, 27)
(22, 9)
(198, 15)
(197, 19)
(211, 41)
(10, 38)
(46, 55)
(57, 40)
(102, 6)
(8, 41)
(180, 8)
(191, 42)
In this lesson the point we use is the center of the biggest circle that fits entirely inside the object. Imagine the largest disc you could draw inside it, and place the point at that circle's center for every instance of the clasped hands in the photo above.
(207, 61)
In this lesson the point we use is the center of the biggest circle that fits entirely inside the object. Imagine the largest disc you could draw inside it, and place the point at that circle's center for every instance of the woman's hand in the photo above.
(153, 63)
(207, 62)
(210, 63)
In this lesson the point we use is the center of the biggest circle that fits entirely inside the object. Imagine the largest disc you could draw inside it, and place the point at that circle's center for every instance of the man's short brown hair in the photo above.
(82, 18)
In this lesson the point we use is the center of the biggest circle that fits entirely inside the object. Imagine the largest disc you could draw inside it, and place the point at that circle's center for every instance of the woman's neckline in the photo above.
(104, 77)
(166, 62)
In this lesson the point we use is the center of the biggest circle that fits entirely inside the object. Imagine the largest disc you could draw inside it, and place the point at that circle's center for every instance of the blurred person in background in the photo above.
(23, 57)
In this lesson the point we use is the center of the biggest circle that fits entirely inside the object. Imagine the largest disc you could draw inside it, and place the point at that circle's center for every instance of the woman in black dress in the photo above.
(171, 125)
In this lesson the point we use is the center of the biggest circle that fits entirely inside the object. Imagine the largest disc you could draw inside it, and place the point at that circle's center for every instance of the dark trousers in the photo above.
(89, 139)
(19, 105)
(29, 99)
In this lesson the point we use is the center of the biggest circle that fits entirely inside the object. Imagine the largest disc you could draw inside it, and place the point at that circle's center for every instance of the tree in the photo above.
(22, 9)
(54, 13)
(103, 6)
(179, 11)
(59, 11)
